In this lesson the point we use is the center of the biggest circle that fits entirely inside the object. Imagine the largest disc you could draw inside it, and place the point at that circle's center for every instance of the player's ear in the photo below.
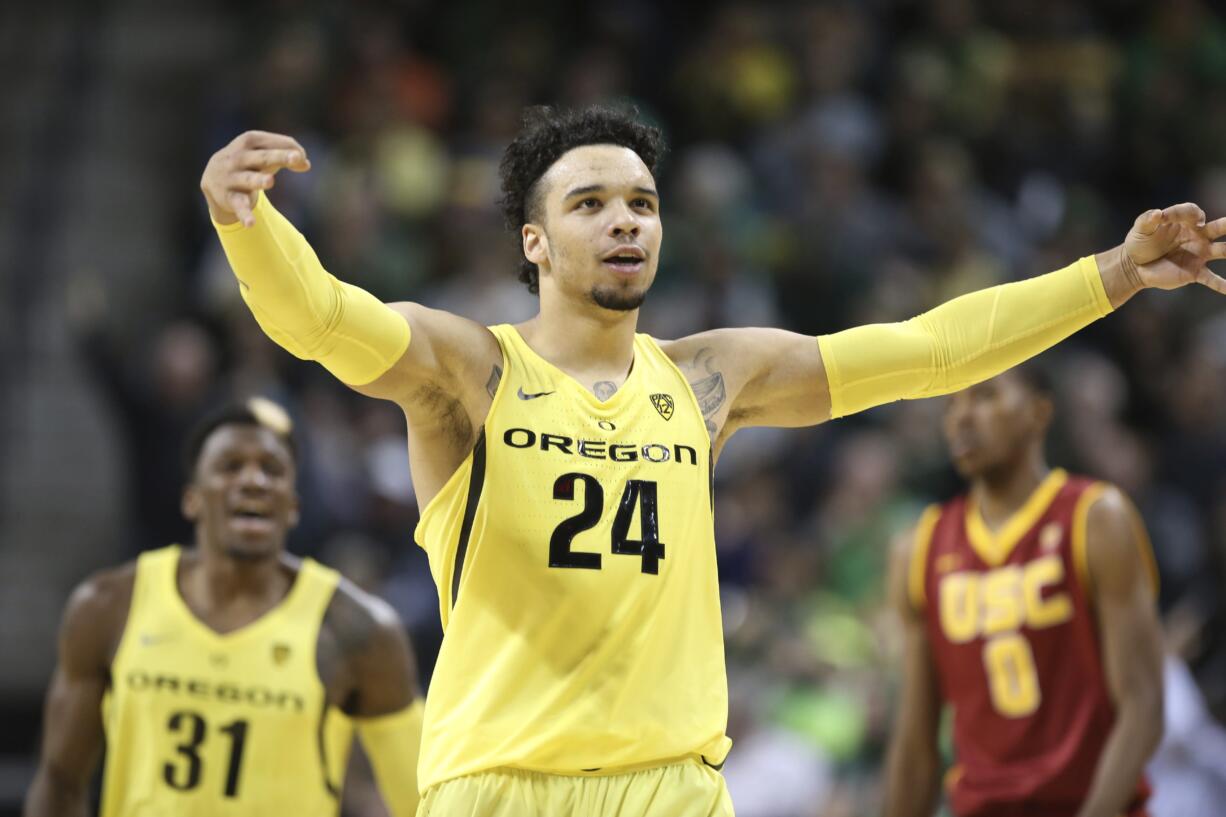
(294, 512)
(1044, 410)
(191, 503)
(536, 243)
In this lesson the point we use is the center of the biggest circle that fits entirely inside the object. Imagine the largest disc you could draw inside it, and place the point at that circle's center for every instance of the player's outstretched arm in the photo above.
(383, 351)
(72, 717)
(1122, 581)
(913, 765)
(776, 378)
(384, 698)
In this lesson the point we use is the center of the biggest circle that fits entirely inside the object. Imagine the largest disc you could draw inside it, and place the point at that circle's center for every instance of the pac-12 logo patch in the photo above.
(663, 404)
(280, 653)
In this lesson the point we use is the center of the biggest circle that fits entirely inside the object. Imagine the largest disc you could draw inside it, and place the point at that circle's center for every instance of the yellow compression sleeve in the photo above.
(962, 342)
(306, 310)
(392, 743)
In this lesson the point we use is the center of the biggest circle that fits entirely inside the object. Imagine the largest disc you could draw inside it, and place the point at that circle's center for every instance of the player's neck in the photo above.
(1002, 492)
(594, 341)
(216, 579)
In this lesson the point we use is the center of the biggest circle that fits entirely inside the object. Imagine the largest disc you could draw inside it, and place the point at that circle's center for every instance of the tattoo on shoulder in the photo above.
(708, 387)
(604, 389)
(491, 385)
(711, 396)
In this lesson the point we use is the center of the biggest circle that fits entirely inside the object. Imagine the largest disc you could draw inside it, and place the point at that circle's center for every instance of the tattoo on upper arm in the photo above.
(708, 389)
(710, 393)
(604, 389)
(491, 385)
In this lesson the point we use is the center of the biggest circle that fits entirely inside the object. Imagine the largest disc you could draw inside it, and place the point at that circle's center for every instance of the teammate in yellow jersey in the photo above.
(228, 678)
(563, 464)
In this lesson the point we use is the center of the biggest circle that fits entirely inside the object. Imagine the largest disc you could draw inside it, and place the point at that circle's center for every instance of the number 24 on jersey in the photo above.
(640, 493)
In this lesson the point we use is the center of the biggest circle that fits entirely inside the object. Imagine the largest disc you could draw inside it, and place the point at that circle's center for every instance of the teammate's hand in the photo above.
(249, 164)
(1172, 248)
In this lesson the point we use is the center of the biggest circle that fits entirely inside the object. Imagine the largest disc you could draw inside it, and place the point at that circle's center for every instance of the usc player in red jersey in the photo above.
(1029, 608)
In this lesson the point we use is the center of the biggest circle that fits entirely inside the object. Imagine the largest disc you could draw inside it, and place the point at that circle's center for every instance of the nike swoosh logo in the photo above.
(534, 395)
(148, 640)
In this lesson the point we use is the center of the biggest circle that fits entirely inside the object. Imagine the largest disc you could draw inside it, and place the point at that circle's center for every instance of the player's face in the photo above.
(599, 238)
(991, 424)
(242, 496)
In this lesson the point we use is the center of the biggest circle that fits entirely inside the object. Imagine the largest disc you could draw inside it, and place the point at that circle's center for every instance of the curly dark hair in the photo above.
(546, 135)
(256, 411)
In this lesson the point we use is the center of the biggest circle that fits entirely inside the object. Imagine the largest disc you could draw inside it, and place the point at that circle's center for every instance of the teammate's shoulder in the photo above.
(360, 620)
(103, 590)
(96, 612)
(376, 660)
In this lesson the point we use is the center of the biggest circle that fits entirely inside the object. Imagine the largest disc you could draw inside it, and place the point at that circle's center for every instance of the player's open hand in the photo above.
(239, 171)
(1171, 248)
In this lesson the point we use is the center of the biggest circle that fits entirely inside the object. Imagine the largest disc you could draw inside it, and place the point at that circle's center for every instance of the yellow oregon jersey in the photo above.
(574, 554)
(204, 724)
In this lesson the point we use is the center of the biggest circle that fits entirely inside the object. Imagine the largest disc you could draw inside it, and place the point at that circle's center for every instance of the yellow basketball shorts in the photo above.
(686, 789)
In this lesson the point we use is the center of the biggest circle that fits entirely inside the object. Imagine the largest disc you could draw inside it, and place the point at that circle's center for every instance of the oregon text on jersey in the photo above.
(258, 696)
(600, 449)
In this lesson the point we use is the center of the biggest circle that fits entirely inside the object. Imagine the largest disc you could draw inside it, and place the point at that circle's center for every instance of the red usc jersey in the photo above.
(1011, 625)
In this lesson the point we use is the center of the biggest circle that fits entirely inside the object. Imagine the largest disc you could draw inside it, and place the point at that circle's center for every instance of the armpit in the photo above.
(447, 411)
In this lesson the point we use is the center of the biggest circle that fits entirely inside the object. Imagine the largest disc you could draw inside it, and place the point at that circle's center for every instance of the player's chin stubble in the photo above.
(618, 300)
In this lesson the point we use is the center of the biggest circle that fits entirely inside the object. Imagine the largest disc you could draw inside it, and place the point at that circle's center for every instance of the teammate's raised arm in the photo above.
(1121, 577)
(913, 765)
(777, 378)
(72, 718)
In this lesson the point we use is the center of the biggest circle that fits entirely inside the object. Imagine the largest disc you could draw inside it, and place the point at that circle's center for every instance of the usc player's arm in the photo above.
(376, 684)
(72, 716)
(1123, 585)
(913, 763)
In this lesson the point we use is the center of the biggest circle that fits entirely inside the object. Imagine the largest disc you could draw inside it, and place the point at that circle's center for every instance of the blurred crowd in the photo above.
(832, 163)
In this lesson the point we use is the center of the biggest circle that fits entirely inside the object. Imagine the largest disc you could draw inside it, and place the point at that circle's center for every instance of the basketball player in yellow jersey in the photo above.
(228, 678)
(563, 465)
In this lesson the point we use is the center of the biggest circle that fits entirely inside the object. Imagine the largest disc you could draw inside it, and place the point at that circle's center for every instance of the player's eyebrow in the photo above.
(582, 191)
(600, 188)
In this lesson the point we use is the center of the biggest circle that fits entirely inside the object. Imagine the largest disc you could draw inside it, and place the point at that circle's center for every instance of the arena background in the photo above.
(832, 164)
